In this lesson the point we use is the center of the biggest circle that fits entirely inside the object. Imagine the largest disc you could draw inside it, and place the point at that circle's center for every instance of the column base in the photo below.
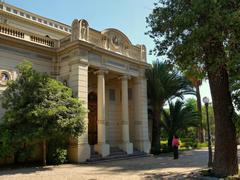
(127, 147)
(79, 152)
(103, 149)
(143, 145)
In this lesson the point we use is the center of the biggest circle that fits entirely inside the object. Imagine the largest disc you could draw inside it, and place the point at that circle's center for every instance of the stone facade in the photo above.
(103, 68)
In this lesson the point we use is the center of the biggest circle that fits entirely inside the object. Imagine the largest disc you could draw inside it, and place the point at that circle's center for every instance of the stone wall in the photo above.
(11, 57)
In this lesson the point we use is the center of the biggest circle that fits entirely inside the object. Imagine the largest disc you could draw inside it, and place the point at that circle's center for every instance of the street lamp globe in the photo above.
(206, 100)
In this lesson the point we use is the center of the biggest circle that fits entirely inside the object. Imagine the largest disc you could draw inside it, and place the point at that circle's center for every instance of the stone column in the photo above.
(141, 136)
(126, 145)
(79, 149)
(101, 147)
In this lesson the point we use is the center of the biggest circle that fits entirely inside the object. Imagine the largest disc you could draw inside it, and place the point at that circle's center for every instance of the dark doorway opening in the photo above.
(92, 118)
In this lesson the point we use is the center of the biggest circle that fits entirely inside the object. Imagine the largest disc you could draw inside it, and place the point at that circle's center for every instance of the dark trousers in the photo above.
(175, 152)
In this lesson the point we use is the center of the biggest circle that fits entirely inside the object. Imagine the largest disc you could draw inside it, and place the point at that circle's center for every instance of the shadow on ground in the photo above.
(13, 170)
(188, 159)
(162, 164)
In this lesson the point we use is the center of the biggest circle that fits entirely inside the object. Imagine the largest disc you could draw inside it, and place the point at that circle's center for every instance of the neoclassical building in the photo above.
(103, 68)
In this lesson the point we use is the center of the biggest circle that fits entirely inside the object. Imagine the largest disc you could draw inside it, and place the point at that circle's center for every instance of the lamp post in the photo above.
(206, 102)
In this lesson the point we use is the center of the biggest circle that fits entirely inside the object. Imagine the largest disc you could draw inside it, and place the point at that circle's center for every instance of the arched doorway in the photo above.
(92, 118)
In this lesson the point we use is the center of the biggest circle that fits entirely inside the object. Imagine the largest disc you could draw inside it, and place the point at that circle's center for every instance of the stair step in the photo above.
(116, 154)
(96, 156)
(114, 158)
(115, 149)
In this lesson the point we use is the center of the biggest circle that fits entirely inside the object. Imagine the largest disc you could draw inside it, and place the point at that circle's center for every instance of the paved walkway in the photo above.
(162, 167)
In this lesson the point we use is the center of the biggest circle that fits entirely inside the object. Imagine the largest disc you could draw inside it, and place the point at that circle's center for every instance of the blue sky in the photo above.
(126, 15)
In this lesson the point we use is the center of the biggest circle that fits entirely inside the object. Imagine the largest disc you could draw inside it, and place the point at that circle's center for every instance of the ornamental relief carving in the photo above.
(75, 30)
(116, 41)
(80, 29)
(84, 29)
(5, 76)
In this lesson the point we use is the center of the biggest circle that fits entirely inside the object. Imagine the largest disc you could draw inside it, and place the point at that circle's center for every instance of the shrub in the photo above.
(201, 145)
(60, 156)
(57, 153)
(5, 144)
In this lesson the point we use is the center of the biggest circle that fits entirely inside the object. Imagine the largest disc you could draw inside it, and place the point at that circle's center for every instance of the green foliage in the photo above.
(180, 117)
(202, 145)
(183, 30)
(235, 88)
(60, 156)
(57, 153)
(191, 102)
(211, 118)
(237, 124)
(39, 107)
(6, 148)
(185, 144)
(163, 83)
(24, 153)
(204, 34)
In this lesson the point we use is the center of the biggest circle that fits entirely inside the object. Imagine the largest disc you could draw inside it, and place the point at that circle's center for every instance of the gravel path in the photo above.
(161, 167)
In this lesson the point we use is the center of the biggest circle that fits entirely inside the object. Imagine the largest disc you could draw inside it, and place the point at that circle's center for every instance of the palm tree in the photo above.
(163, 83)
(179, 117)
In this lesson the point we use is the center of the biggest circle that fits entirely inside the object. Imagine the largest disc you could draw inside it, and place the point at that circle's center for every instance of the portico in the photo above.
(105, 113)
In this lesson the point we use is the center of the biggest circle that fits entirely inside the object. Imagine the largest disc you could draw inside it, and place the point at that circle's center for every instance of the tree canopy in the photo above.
(204, 34)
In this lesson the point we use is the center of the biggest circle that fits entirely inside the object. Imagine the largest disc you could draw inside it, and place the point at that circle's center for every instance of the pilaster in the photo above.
(141, 136)
(79, 149)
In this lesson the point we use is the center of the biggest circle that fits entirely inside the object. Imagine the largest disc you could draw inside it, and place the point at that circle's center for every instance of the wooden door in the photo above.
(92, 118)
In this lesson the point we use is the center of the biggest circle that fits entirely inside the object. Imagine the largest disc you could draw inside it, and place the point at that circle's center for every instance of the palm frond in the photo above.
(179, 117)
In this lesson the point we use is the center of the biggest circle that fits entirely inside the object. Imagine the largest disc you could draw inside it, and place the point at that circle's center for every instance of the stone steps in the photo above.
(115, 154)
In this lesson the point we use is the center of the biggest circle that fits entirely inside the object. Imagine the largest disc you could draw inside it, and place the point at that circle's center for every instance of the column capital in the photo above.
(78, 61)
(124, 77)
(101, 71)
(138, 80)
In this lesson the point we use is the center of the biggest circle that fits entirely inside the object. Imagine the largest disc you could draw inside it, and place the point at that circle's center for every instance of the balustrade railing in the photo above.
(41, 40)
(16, 33)
(11, 32)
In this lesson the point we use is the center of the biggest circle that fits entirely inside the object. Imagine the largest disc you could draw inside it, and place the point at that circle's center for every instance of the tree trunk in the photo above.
(170, 138)
(44, 152)
(225, 157)
(199, 108)
(155, 146)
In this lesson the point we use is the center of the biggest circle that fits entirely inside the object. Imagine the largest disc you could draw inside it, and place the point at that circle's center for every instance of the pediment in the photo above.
(116, 38)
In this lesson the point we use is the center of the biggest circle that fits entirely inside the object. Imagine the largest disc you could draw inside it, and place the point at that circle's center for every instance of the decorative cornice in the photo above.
(91, 47)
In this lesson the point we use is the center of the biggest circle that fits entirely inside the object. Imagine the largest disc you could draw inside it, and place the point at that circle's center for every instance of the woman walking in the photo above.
(175, 144)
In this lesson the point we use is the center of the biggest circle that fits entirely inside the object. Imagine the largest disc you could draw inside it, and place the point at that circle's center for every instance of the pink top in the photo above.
(175, 142)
